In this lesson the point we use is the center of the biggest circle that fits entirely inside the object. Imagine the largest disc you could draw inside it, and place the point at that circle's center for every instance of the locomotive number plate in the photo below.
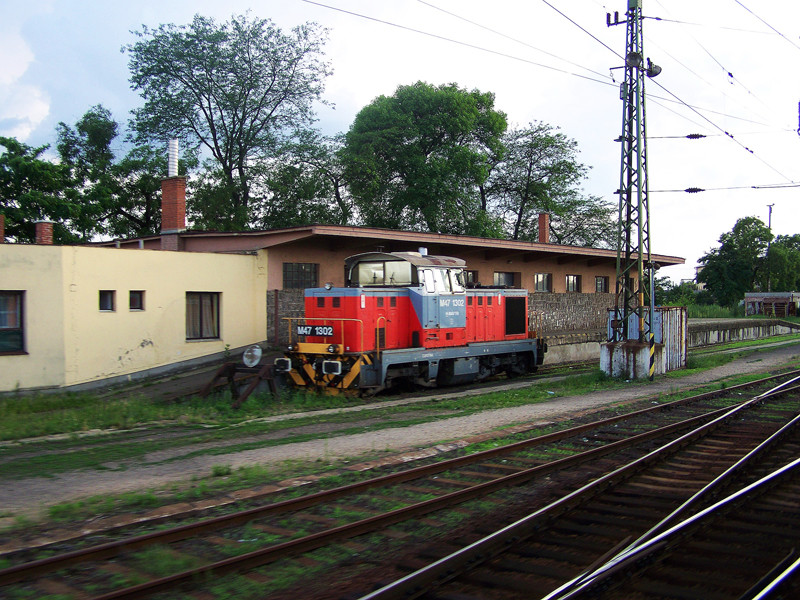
(319, 330)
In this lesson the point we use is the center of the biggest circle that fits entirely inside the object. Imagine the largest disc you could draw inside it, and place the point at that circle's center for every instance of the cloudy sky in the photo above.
(731, 71)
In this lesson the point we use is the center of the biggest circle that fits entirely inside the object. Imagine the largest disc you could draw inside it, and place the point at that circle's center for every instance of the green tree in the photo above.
(781, 272)
(539, 172)
(86, 153)
(31, 190)
(120, 198)
(239, 89)
(305, 185)
(734, 268)
(415, 160)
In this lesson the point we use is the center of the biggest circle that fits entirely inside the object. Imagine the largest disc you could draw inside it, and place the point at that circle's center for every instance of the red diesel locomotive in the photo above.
(406, 316)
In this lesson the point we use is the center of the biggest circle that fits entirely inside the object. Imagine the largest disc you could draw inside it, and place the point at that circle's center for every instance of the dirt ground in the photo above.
(31, 495)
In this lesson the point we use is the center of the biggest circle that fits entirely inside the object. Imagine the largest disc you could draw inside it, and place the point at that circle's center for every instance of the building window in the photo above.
(505, 279)
(202, 315)
(107, 298)
(12, 338)
(136, 300)
(573, 283)
(601, 285)
(543, 282)
(299, 276)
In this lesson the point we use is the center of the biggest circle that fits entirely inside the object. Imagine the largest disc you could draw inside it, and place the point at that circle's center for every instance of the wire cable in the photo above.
(552, 68)
(697, 190)
(679, 100)
(586, 31)
(508, 37)
(458, 42)
(767, 24)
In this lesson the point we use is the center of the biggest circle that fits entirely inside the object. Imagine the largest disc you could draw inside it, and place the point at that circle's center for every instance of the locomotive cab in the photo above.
(407, 316)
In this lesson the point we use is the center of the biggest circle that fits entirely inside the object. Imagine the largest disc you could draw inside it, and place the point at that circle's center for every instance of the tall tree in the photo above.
(415, 160)
(733, 268)
(781, 272)
(120, 198)
(31, 190)
(539, 172)
(239, 89)
(305, 185)
(86, 153)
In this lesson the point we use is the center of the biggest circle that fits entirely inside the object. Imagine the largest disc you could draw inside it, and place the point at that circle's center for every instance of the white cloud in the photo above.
(22, 106)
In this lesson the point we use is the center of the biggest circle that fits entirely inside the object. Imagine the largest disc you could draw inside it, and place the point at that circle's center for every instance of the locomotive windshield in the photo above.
(443, 281)
(396, 272)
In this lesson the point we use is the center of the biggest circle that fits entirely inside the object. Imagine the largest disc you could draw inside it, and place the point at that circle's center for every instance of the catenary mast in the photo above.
(632, 318)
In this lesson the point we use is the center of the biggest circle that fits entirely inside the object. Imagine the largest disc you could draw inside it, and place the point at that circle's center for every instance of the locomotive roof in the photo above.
(415, 258)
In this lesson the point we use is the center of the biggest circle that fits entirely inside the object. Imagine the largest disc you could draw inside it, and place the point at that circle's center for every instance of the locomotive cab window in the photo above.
(440, 276)
(384, 273)
(457, 280)
(428, 280)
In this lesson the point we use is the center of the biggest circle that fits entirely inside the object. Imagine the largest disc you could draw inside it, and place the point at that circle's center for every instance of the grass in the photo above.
(172, 426)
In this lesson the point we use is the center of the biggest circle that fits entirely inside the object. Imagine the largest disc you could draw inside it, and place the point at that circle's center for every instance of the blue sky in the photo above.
(60, 57)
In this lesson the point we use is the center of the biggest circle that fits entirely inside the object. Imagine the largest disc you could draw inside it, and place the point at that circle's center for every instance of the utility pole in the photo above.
(633, 315)
(769, 244)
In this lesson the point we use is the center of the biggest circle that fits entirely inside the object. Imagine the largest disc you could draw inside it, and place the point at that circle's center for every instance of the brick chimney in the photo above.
(173, 202)
(544, 228)
(44, 233)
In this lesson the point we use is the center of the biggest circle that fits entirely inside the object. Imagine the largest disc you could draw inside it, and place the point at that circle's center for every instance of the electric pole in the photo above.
(633, 311)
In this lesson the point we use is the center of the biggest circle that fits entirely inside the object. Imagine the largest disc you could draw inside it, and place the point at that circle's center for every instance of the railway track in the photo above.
(118, 565)
(712, 514)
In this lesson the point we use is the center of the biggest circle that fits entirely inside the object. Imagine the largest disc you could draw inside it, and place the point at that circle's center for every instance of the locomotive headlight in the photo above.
(252, 356)
(290, 347)
(332, 349)
(328, 286)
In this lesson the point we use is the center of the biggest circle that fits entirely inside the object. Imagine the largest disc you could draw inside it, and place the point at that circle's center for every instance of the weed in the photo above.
(221, 470)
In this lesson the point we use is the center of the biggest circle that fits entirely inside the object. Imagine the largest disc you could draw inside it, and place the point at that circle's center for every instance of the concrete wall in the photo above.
(38, 271)
(69, 340)
(722, 331)
(558, 314)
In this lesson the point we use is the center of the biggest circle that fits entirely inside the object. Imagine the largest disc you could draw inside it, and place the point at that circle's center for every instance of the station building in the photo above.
(73, 316)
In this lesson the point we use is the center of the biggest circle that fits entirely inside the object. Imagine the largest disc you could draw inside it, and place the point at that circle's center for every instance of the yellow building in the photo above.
(73, 314)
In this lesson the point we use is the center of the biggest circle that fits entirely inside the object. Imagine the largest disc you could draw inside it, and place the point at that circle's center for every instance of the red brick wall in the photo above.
(44, 233)
(173, 204)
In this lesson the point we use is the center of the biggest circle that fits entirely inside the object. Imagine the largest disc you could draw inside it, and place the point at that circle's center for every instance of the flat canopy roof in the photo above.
(366, 239)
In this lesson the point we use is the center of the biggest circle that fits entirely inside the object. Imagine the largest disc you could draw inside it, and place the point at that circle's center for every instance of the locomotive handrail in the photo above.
(326, 319)
(378, 335)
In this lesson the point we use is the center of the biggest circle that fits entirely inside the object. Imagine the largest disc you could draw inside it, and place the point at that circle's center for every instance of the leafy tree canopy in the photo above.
(30, 190)
(539, 172)
(414, 160)
(734, 268)
(240, 89)
(119, 198)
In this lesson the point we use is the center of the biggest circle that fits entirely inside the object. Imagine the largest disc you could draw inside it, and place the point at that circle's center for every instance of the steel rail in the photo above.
(680, 512)
(111, 549)
(449, 567)
(314, 541)
(773, 586)
(664, 539)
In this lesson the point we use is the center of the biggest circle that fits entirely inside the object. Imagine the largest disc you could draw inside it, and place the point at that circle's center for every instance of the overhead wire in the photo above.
(675, 98)
(728, 73)
(767, 24)
(680, 100)
(454, 41)
(697, 190)
(508, 37)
